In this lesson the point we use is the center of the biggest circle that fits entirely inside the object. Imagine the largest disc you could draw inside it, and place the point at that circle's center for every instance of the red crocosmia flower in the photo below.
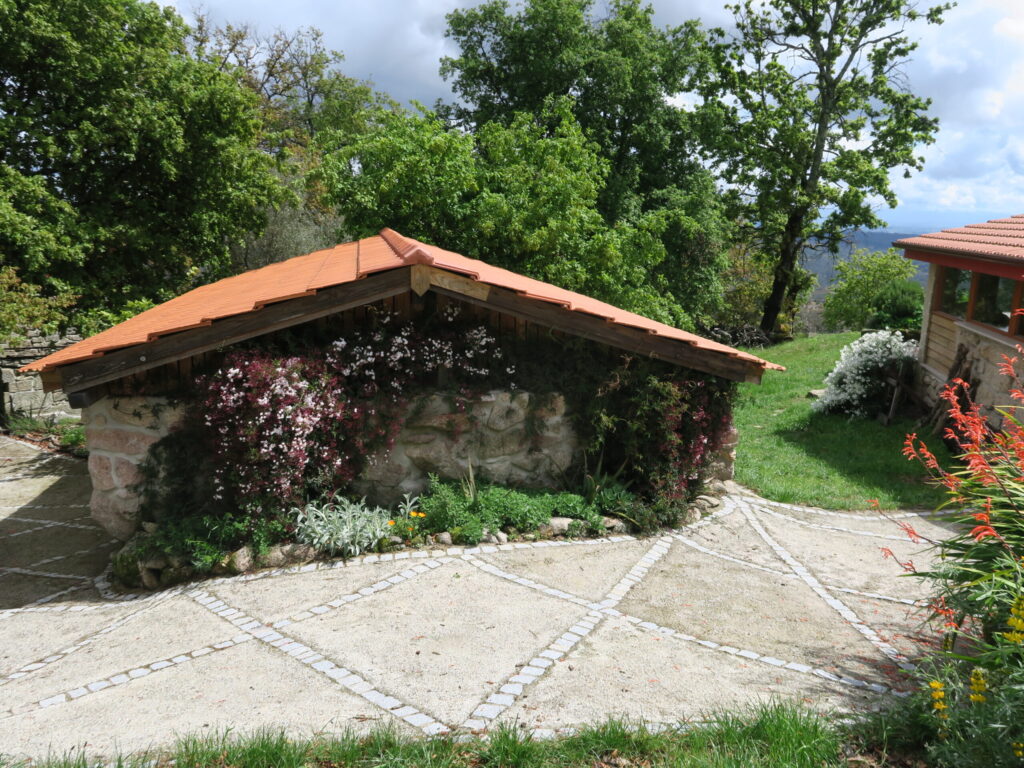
(911, 533)
(874, 504)
(952, 482)
(980, 532)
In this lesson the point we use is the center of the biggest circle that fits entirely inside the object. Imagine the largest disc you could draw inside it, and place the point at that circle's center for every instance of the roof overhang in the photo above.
(1010, 268)
(354, 274)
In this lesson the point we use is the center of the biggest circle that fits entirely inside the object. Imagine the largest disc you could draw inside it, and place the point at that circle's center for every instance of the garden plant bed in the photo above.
(160, 570)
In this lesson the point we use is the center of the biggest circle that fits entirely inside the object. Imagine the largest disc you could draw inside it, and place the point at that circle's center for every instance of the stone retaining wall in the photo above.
(722, 465)
(23, 392)
(517, 439)
(118, 433)
(985, 350)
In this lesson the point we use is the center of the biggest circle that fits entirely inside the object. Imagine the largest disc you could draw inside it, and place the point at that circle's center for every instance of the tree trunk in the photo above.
(789, 250)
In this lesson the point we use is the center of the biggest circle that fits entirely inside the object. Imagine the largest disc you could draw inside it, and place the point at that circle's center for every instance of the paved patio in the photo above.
(759, 600)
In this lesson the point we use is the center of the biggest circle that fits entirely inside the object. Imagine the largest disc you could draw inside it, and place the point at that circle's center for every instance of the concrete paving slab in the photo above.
(280, 597)
(243, 688)
(585, 570)
(45, 489)
(18, 590)
(77, 513)
(731, 605)
(906, 627)
(621, 671)
(172, 627)
(443, 643)
(853, 561)
(89, 563)
(450, 643)
(9, 527)
(11, 448)
(28, 637)
(732, 535)
(25, 550)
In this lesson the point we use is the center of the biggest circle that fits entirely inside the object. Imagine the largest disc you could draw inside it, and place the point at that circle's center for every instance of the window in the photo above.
(993, 301)
(954, 291)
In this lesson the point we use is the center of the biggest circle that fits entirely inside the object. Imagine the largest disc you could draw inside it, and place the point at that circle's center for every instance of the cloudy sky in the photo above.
(972, 67)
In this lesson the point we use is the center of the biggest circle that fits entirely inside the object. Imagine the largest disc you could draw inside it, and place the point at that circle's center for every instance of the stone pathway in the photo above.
(759, 600)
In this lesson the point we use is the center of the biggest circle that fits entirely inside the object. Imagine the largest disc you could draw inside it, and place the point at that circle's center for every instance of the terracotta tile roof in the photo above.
(304, 275)
(996, 240)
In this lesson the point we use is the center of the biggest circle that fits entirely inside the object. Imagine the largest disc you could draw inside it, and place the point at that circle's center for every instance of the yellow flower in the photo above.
(978, 684)
(1018, 749)
(391, 522)
(938, 695)
(977, 698)
(936, 685)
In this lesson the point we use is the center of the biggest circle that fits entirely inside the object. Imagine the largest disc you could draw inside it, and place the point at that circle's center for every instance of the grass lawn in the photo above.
(789, 454)
(776, 736)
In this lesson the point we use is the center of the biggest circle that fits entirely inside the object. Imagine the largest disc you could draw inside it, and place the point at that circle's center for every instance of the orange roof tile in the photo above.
(995, 240)
(304, 275)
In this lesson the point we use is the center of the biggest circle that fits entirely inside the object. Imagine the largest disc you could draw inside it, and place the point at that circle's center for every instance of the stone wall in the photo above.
(723, 461)
(985, 350)
(518, 439)
(23, 393)
(118, 433)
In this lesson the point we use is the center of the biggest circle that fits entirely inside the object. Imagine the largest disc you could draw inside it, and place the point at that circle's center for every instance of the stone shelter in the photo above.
(975, 283)
(121, 378)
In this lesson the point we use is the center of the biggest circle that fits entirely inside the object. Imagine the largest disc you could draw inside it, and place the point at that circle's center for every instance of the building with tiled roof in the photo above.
(975, 284)
(116, 375)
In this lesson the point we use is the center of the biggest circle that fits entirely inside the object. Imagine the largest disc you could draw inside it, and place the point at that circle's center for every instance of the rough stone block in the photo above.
(116, 513)
(119, 440)
(126, 473)
(100, 472)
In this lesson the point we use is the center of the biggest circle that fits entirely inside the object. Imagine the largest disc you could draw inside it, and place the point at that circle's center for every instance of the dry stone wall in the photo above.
(985, 350)
(119, 433)
(518, 439)
(723, 460)
(23, 392)
(510, 438)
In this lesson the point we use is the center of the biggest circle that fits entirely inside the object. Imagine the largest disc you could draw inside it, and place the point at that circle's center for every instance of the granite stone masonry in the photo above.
(985, 352)
(119, 432)
(22, 393)
(510, 438)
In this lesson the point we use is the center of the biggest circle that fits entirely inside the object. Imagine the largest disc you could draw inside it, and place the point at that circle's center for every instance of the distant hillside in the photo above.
(824, 264)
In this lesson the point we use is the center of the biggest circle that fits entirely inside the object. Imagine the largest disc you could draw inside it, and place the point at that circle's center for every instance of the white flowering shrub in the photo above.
(340, 526)
(857, 383)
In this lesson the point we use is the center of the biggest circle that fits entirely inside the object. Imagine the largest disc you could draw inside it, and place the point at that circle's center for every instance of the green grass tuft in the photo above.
(789, 454)
(775, 735)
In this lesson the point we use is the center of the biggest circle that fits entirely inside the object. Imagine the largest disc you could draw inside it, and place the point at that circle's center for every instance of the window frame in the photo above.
(1016, 327)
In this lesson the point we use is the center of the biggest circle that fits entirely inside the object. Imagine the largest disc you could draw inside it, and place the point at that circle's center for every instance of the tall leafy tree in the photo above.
(298, 80)
(621, 71)
(522, 195)
(807, 114)
(128, 166)
(301, 91)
